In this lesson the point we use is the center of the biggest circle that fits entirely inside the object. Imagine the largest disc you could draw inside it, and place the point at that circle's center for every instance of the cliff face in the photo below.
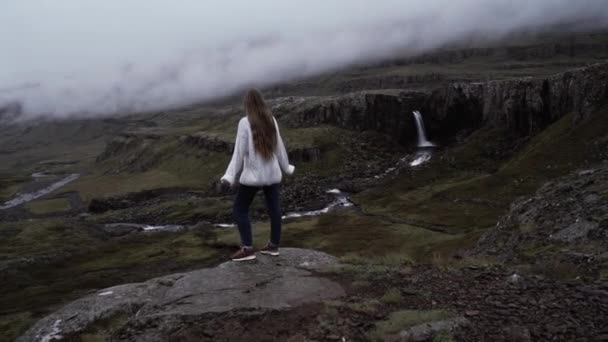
(384, 112)
(522, 106)
(125, 143)
(131, 152)
(216, 144)
(208, 142)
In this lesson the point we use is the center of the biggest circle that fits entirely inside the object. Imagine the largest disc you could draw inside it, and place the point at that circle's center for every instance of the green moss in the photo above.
(358, 238)
(404, 319)
(444, 336)
(40, 237)
(365, 306)
(603, 274)
(531, 251)
(392, 296)
(13, 325)
(8, 191)
(49, 206)
(76, 259)
(381, 260)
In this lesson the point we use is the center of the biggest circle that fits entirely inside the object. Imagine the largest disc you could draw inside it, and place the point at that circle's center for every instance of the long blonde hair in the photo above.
(262, 123)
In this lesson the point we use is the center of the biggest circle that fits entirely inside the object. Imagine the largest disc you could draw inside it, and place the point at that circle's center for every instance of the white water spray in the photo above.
(425, 146)
(422, 141)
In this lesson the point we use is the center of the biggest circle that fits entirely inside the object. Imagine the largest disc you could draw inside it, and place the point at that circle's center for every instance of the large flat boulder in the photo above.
(267, 283)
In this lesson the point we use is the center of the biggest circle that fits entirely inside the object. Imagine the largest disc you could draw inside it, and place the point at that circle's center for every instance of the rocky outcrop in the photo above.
(126, 142)
(522, 106)
(425, 332)
(305, 154)
(566, 216)
(267, 283)
(208, 142)
(388, 112)
(101, 205)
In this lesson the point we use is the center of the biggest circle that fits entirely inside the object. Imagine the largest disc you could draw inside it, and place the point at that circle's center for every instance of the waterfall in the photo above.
(425, 147)
(422, 142)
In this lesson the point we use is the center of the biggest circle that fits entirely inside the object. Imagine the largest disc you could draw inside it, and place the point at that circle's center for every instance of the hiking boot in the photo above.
(244, 254)
(270, 249)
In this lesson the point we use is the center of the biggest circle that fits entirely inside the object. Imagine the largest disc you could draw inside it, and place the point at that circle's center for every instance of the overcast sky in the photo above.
(92, 57)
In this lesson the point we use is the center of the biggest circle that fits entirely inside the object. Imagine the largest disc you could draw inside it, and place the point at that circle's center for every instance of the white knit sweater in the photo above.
(255, 170)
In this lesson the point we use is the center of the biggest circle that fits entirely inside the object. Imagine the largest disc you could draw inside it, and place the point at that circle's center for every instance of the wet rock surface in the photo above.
(283, 282)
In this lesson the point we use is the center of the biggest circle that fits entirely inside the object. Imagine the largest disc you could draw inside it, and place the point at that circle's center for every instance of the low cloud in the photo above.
(83, 58)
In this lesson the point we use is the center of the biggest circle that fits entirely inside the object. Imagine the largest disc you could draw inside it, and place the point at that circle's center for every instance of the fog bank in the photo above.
(82, 58)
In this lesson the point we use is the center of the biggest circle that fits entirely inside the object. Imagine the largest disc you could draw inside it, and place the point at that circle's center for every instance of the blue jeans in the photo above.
(243, 200)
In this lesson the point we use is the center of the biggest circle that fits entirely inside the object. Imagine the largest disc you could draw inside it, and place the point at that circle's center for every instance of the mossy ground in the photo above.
(49, 206)
(70, 259)
(403, 319)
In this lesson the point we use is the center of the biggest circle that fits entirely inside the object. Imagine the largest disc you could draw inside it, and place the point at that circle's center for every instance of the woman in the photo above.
(260, 155)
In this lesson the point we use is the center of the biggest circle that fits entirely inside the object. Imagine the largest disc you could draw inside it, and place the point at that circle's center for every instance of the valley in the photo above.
(511, 123)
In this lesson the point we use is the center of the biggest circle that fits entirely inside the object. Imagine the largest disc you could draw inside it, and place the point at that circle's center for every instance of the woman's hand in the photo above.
(225, 185)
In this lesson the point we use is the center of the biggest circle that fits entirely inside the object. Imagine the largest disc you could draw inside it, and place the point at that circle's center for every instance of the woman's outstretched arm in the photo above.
(281, 153)
(240, 147)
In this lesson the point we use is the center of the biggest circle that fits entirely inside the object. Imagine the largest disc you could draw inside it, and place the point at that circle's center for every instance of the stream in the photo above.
(22, 198)
(342, 200)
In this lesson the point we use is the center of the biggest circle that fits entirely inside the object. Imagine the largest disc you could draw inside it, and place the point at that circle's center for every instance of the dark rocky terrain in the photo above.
(564, 224)
(501, 235)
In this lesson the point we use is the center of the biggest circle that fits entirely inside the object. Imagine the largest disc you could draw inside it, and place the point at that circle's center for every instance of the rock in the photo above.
(517, 334)
(305, 154)
(523, 106)
(575, 231)
(470, 313)
(514, 279)
(526, 105)
(133, 145)
(569, 211)
(267, 283)
(425, 331)
(387, 112)
(208, 142)
(120, 229)
(592, 198)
